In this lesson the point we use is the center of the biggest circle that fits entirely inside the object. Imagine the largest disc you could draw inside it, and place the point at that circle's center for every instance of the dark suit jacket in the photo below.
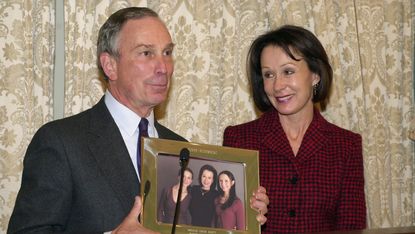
(78, 176)
(319, 189)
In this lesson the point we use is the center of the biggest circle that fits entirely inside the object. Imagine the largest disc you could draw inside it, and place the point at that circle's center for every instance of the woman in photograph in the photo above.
(168, 200)
(229, 208)
(202, 207)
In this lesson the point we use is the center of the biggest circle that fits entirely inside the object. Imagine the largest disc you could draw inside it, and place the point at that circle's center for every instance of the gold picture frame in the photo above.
(160, 167)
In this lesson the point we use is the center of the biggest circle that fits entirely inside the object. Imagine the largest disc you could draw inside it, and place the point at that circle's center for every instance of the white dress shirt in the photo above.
(127, 122)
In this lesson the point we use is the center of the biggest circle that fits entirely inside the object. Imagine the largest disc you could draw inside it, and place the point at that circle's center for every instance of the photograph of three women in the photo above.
(212, 195)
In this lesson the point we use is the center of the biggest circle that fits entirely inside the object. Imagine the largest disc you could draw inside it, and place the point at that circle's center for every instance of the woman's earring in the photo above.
(315, 88)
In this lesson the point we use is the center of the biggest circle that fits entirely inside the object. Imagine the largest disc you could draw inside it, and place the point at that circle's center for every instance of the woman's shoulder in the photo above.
(263, 122)
(236, 204)
(237, 201)
(242, 126)
(335, 131)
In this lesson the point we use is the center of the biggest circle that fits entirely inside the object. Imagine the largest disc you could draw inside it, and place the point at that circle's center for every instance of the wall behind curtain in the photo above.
(370, 44)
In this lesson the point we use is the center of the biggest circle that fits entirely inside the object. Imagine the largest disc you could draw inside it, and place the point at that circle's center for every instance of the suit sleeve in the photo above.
(44, 198)
(351, 212)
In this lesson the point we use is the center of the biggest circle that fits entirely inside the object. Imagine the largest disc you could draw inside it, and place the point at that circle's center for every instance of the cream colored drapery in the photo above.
(26, 73)
(370, 44)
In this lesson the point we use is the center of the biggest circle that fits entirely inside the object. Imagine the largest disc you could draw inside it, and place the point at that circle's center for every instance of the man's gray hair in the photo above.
(109, 32)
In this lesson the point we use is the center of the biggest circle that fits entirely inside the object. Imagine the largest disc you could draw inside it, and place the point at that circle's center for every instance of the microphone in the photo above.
(184, 157)
(147, 187)
(183, 161)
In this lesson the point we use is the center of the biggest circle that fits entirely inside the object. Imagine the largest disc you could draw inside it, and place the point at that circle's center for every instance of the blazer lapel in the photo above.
(111, 154)
(273, 135)
(314, 139)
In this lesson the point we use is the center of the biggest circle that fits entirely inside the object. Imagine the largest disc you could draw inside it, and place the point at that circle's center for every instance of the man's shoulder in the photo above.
(85, 114)
(81, 120)
(166, 133)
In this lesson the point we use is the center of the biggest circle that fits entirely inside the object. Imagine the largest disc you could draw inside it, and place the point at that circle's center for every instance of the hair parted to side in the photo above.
(108, 33)
(292, 39)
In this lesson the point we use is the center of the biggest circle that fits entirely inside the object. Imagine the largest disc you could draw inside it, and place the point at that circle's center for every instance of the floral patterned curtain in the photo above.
(370, 44)
(26, 81)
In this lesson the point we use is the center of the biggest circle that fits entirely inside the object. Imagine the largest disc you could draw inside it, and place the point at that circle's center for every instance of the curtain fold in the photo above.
(370, 44)
(384, 32)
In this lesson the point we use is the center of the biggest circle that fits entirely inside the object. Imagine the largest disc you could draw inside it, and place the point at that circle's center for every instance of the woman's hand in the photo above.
(259, 202)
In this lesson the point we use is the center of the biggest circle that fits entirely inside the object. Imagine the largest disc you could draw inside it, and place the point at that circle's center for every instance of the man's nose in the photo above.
(161, 65)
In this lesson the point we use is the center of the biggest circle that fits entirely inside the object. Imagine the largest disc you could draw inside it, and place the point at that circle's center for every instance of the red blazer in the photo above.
(320, 189)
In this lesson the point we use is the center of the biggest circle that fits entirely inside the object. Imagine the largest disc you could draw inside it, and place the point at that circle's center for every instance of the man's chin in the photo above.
(158, 99)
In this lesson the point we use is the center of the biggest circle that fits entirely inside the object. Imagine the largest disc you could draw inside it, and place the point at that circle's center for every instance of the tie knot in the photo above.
(142, 126)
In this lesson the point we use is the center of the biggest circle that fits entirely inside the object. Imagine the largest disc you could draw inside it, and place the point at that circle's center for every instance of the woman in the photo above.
(312, 169)
(201, 207)
(168, 200)
(229, 208)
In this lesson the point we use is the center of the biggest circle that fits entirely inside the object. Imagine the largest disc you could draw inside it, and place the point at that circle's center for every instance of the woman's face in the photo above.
(187, 179)
(225, 183)
(288, 83)
(206, 179)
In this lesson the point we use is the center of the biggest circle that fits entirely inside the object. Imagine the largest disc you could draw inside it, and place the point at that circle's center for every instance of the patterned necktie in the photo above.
(143, 132)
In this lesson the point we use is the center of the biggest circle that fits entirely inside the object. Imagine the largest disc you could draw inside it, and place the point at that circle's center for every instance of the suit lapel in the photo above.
(165, 133)
(111, 154)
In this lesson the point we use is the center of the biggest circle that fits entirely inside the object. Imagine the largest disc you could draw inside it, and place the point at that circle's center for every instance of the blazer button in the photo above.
(291, 213)
(293, 180)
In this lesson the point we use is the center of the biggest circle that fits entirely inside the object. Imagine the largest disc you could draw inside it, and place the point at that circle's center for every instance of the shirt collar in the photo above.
(126, 119)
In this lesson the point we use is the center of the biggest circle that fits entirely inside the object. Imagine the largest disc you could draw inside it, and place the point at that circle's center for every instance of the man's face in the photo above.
(140, 77)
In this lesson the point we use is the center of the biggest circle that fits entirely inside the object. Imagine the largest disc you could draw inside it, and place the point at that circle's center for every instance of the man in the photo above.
(80, 173)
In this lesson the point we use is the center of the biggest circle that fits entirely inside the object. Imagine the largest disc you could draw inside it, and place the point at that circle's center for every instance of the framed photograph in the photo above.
(217, 183)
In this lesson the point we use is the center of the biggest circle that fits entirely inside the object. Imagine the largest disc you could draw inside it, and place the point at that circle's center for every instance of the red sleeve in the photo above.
(351, 212)
(227, 137)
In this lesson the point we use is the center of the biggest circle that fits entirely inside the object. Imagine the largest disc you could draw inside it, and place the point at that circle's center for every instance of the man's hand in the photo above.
(259, 202)
(130, 224)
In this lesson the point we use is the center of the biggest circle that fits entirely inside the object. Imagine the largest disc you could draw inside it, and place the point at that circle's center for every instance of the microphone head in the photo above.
(147, 186)
(184, 156)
